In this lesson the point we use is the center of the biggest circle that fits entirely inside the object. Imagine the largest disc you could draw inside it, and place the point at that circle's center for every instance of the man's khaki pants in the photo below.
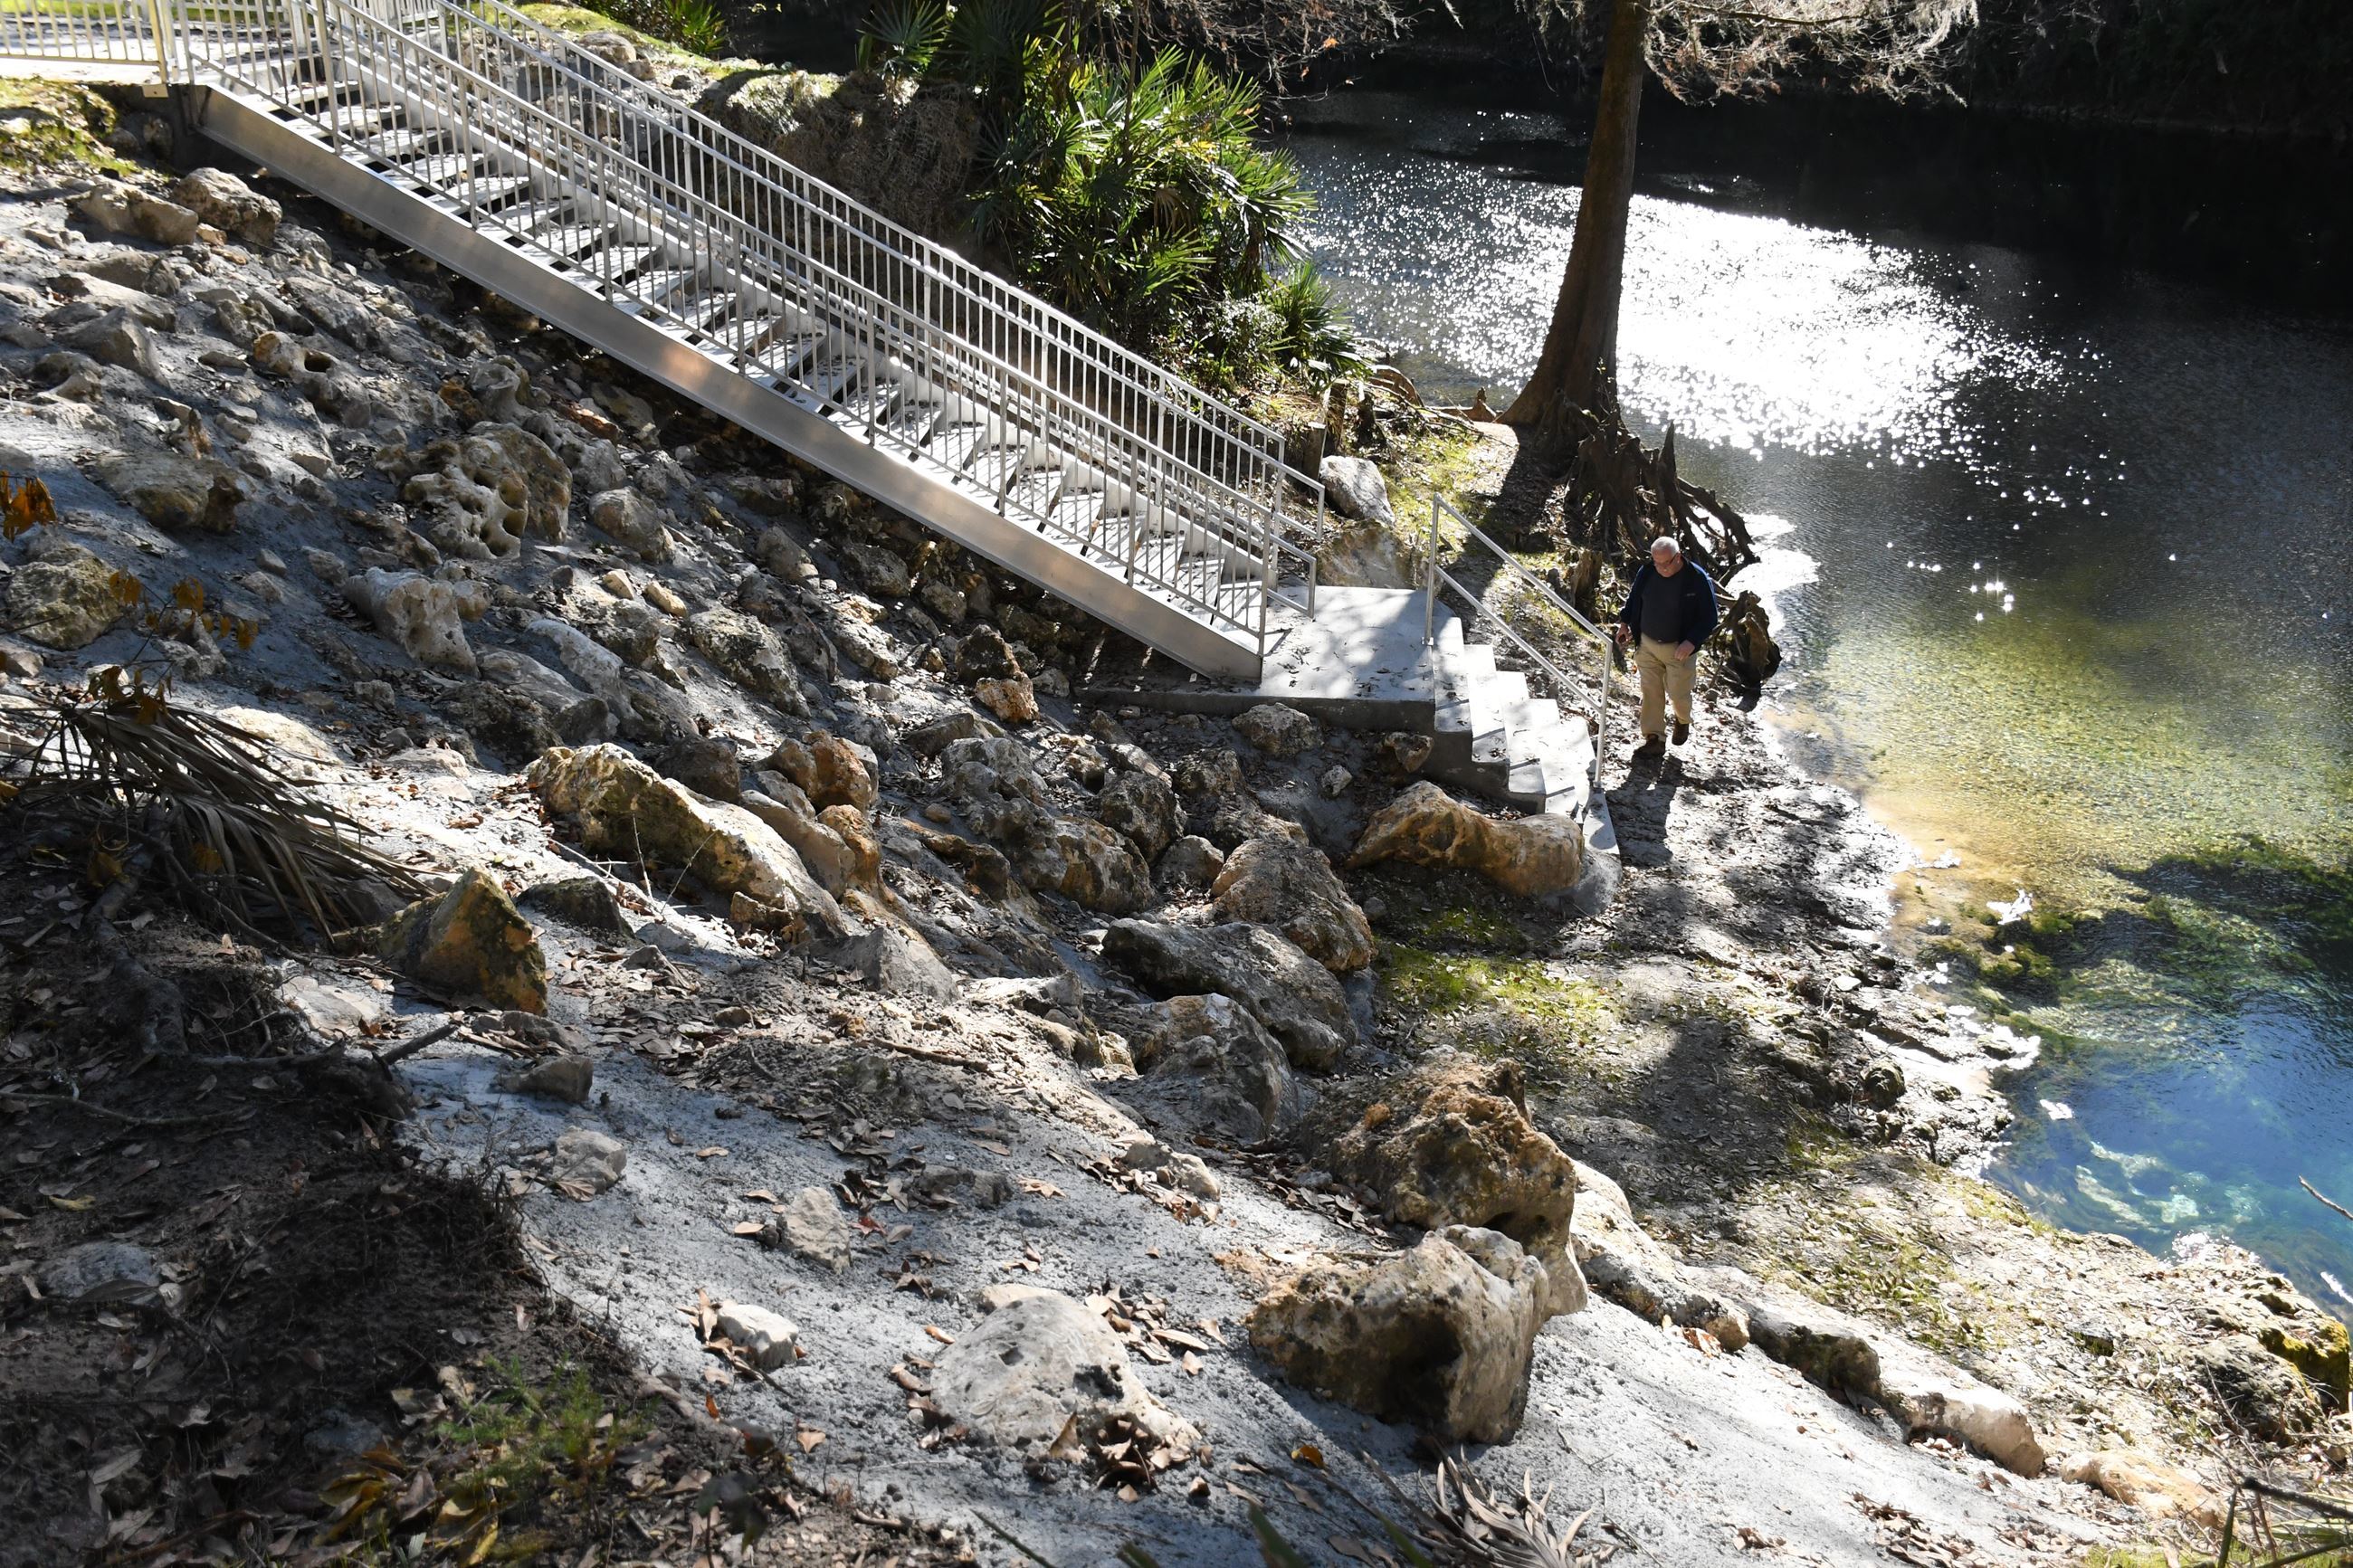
(1664, 675)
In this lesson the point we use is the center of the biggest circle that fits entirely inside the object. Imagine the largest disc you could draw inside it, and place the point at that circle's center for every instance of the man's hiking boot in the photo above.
(1652, 746)
(1683, 731)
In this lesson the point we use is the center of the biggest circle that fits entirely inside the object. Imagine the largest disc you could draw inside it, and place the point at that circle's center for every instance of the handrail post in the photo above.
(1430, 575)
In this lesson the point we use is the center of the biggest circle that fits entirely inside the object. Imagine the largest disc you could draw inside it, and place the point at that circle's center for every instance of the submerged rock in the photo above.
(1529, 857)
(1441, 1336)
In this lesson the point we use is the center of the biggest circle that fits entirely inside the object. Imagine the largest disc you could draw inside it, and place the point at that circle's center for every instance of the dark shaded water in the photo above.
(2058, 561)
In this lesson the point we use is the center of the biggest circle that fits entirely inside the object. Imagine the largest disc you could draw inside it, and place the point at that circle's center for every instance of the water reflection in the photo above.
(2060, 581)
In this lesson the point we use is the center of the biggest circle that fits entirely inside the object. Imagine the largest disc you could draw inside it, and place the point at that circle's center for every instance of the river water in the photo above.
(2058, 565)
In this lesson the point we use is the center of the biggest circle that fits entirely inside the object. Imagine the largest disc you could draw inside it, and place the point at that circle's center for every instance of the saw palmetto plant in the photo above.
(199, 798)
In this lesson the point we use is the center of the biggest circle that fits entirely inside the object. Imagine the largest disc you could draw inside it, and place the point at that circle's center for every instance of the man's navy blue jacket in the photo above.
(1698, 604)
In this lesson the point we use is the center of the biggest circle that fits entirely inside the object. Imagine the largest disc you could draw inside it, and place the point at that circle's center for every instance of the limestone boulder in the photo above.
(177, 494)
(1190, 865)
(1450, 1143)
(1280, 881)
(1012, 698)
(1209, 1066)
(2262, 1391)
(778, 801)
(1932, 1399)
(481, 495)
(1085, 862)
(631, 521)
(1527, 856)
(1038, 1360)
(114, 337)
(1441, 1336)
(748, 653)
(63, 597)
(1622, 1263)
(229, 205)
(120, 209)
(315, 370)
(840, 773)
(1278, 730)
(897, 962)
(624, 806)
(707, 764)
(585, 902)
(102, 1273)
(1292, 995)
(2142, 1480)
(814, 1228)
(470, 942)
(423, 614)
(1356, 490)
(877, 570)
(770, 1339)
(588, 1162)
(1144, 806)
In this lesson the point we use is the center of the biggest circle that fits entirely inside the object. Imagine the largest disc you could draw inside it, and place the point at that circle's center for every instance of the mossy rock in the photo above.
(470, 942)
(2320, 1349)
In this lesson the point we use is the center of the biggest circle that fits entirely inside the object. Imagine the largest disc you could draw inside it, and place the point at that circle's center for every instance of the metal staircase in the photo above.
(509, 154)
(533, 167)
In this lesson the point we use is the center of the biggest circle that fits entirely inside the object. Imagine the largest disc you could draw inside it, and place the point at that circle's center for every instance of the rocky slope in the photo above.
(971, 1120)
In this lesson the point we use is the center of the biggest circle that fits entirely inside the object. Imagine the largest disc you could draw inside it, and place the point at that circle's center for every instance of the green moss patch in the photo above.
(52, 125)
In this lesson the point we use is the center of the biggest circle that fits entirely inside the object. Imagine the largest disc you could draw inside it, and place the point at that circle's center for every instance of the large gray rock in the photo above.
(1278, 881)
(1003, 798)
(228, 203)
(748, 653)
(1290, 993)
(2266, 1395)
(632, 522)
(119, 208)
(624, 806)
(100, 1272)
(1278, 730)
(1142, 806)
(64, 596)
(588, 1162)
(1356, 489)
(1441, 1336)
(178, 495)
(1210, 1067)
(1450, 1143)
(894, 960)
(114, 338)
(423, 614)
(1035, 1362)
(815, 1230)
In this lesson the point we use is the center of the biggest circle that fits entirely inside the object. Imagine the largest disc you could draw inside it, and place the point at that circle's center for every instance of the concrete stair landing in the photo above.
(1361, 664)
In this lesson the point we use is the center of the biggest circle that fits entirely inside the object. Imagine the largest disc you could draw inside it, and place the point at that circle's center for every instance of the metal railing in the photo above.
(1564, 691)
(728, 248)
(81, 32)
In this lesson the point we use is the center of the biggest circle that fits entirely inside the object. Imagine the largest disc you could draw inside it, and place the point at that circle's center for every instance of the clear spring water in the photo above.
(2058, 569)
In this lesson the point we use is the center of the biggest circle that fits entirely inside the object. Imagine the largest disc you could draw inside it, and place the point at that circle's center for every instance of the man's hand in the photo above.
(1685, 650)
(1621, 634)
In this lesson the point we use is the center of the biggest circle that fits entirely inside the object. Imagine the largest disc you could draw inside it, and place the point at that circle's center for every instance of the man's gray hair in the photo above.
(1666, 542)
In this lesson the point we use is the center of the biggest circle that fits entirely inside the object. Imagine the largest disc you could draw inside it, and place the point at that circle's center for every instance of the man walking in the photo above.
(1669, 614)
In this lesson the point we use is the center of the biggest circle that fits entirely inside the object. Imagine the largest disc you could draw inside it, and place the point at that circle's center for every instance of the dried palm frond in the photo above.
(1490, 1529)
(238, 835)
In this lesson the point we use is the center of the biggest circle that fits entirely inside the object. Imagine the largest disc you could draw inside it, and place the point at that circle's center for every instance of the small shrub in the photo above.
(696, 25)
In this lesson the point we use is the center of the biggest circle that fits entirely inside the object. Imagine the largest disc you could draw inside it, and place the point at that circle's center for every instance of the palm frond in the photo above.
(237, 835)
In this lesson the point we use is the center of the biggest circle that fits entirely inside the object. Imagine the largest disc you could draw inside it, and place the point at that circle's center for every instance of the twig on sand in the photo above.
(2324, 1197)
(409, 1047)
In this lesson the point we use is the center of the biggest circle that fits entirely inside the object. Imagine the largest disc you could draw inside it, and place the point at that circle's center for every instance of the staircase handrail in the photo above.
(1145, 463)
(1435, 577)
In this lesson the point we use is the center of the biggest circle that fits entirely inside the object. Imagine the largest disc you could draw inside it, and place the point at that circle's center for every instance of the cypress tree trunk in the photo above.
(1580, 352)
